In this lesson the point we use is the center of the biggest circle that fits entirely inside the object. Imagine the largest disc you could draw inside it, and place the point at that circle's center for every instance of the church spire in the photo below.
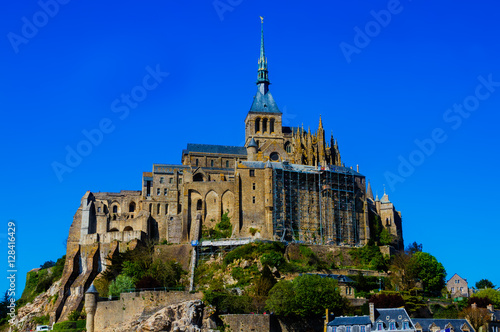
(262, 74)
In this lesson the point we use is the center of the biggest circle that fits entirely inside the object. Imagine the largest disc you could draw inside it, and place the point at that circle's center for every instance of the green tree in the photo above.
(386, 238)
(429, 271)
(484, 283)
(413, 248)
(305, 296)
(120, 284)
(490, 293)
(281, 299)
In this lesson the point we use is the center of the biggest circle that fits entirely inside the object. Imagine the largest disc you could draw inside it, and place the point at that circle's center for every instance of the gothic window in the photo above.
(264, 125)
(271, 125)
(288, 147)
(199, 205)
(115, 209)
(257, 124)
(158, 207)
(166, 208)
(131, 207)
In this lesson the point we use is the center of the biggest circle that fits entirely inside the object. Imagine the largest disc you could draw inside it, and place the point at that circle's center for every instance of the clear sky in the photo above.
(410, 89)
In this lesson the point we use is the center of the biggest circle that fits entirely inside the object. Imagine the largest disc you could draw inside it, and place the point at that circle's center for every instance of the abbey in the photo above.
(285, 184)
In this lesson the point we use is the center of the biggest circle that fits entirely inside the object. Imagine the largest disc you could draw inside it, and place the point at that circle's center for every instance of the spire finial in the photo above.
(262, 74)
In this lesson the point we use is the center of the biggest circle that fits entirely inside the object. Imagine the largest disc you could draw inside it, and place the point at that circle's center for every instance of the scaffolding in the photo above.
(315, 205)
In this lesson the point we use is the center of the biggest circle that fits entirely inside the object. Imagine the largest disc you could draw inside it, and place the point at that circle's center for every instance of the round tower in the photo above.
(252, 150)
(91, 306)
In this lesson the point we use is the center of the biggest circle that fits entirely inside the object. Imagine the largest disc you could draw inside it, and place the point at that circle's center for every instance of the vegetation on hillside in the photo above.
(39, 281)
(138, 269)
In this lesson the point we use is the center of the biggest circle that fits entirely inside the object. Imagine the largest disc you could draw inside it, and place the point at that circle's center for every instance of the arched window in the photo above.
(264, 125)
(131, 207)
(158, 207)
(179, 209)
(150, 207)
(288, 147)
(128, 229)
(113, 230)
(199, 205)
(257, 124)
(271, 125)
(114, 216)
(115, 209)
(166, 208)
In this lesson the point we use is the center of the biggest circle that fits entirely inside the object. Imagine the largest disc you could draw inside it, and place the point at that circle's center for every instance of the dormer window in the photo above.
(392, 326)
(380, 326)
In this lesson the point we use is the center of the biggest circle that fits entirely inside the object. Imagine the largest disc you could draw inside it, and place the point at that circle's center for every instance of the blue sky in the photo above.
(408, 88)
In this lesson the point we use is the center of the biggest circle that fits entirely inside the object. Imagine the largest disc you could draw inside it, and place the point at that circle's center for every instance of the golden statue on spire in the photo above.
(261, 19)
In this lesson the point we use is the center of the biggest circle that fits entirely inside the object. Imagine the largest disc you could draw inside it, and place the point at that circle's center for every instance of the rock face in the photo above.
(182, 317)
(42, 305)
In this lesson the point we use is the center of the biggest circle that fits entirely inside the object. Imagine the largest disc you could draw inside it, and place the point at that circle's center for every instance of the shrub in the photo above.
(120, 284)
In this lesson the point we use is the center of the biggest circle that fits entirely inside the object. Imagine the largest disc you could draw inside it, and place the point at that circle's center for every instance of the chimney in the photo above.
(372, 312)
(474, 306)
(490, 307)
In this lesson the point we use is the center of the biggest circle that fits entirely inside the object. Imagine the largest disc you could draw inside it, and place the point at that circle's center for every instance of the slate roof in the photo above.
(457, 324)
(397, 315)
(350, 320)
(264, 103)
(222, 149)
(92, 290)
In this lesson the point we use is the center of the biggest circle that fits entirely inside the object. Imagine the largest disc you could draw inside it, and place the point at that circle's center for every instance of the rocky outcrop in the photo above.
(181, 317)
(42, 305)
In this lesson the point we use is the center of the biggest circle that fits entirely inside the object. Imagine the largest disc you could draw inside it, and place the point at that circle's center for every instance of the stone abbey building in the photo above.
(284, 184)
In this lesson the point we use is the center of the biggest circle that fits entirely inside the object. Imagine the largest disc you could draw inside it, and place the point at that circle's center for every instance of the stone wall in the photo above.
(247, 323)
(131, 306)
